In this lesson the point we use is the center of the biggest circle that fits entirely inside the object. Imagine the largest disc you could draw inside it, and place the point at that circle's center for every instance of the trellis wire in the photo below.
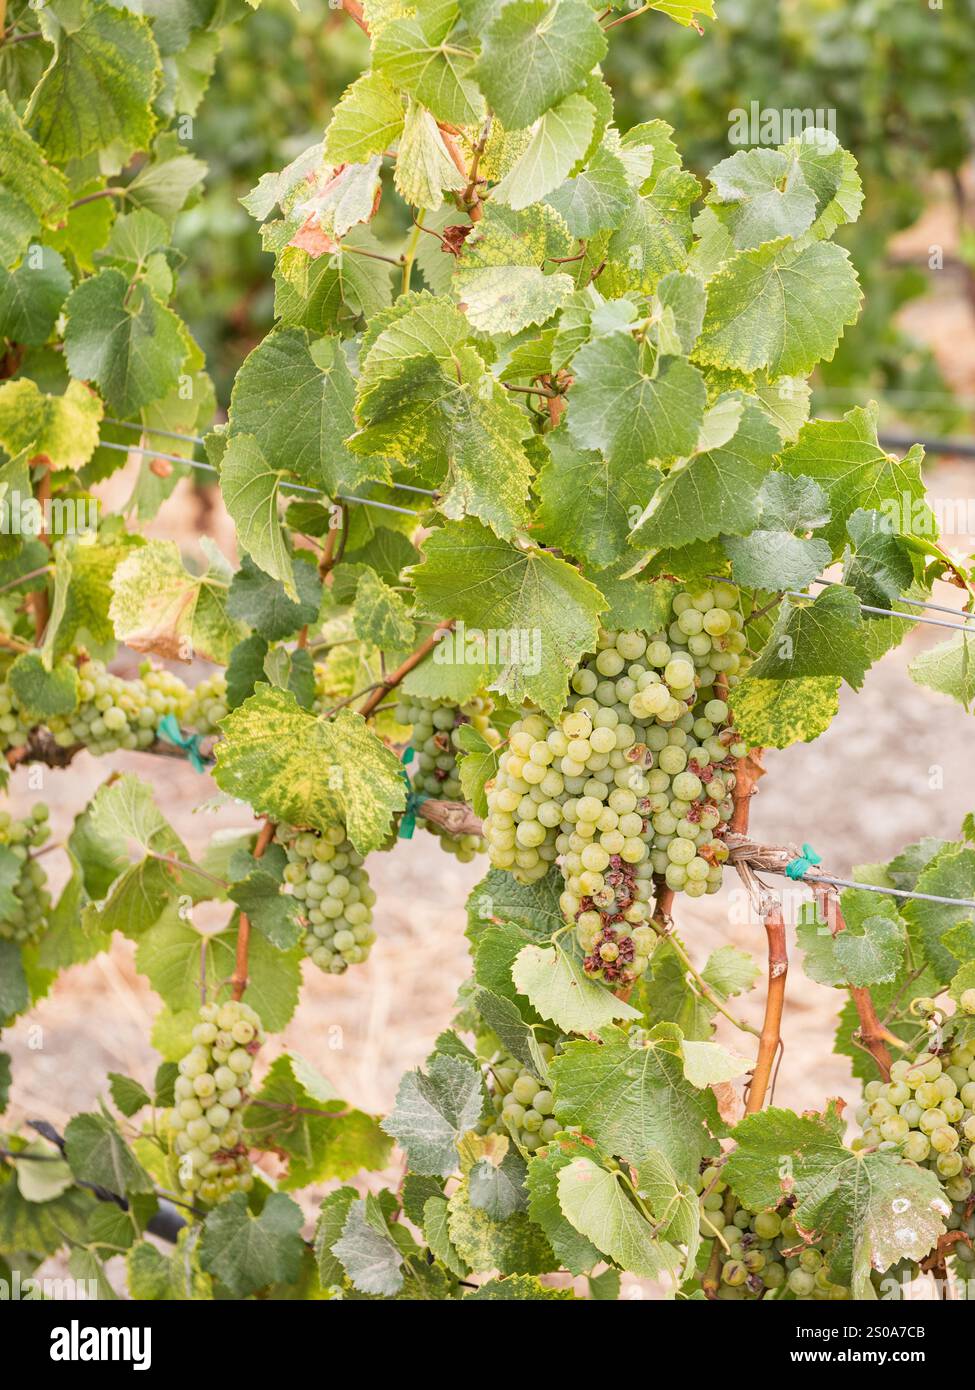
(294, 487)
(891, 892)
(869, 608)
(198, 439)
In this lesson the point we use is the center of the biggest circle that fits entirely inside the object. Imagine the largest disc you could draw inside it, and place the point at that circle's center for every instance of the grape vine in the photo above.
(531, 523)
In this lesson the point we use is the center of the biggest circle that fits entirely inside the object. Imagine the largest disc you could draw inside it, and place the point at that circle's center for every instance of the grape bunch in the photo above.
(325, 874)
(210, 1095)
(25, 923)
(633, 782)
(763, 1252)
(15, 726)
(926, 1112)
(207, 705)
(523, 1105)
(113, 713)
(434, 737)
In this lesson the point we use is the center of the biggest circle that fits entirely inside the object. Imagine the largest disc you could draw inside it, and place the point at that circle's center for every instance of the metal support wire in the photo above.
(292, 487)
(869, 607)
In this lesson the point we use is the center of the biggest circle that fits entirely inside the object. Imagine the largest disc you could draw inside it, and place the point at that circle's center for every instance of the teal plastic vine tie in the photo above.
(414, 799)
(168, 729)
(800, 866)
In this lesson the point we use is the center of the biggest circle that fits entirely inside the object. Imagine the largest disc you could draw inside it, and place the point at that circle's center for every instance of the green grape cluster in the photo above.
(523, 1105)
(632, 783)
(207, 705)
(926, 1112)
(113, 713)
(434, 737)
(210, 1096)
(15, 725)
(325, 874)
(18, 838)
(763, 1253)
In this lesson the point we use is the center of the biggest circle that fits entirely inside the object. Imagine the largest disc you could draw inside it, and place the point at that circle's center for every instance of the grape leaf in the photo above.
(542, 612)
(536, 53)
(631, 1099)
(259, 601)
(761, 195)
(597, 198)
(308, 771)
(456, 420)
(159, 607)
(97, 1153)
(434, 1222)
(845, 459)
(129, 1095)
(654, 236)
(730, 971)
(381, 615)
(367, 120)
(780, 308)
(948, 668)
(273, 913)
(33, 195)
(729, 477)
(949, 875)
(877, 1208)
(415, 56)
(869, 952)
(776, 713)
(587, 503)
(246, 1252)
(120, 336)
(629, 416)
(574, 1251)
(559, 140)
(98, 89)
(595, 1202)
(124, 813)
(433, 1111)
(366, 1249)
(496, 1184)
(778, 555)
(331, 1219)
(42, 693)
(60, 430)
(32, 295)
(290, 1113)
(251, 489)
(424, 168)
(560, 990)
(294, 396)
(515, 1246)
(821, 638)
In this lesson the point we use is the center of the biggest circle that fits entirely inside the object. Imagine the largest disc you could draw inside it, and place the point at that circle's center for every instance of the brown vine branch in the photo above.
(771, 1035)
(391, 681)
(354, 10)
(239, 977)
(871, 1033)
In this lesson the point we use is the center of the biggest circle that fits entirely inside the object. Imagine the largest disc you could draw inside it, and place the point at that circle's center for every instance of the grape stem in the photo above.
(390, 682)
(239, 978)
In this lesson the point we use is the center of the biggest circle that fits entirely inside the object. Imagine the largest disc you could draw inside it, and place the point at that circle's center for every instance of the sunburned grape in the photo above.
(762, 1254)
(210, 1096)
(325, 874)
(434, 740)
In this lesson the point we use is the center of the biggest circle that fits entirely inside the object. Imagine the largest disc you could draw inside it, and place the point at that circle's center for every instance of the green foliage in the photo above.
(529, 382)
